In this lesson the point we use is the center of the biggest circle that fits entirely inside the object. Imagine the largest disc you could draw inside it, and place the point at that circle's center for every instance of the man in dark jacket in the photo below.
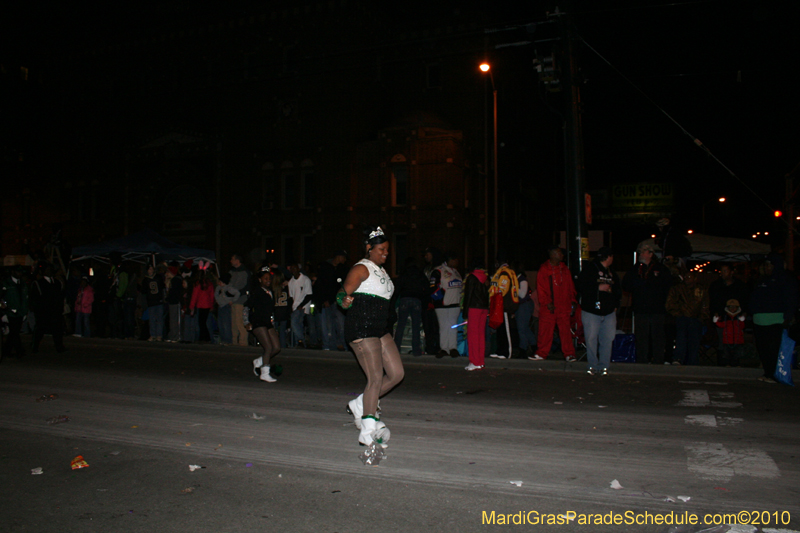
(412, 288)
(688, 303)
(727, 287)
(649, 282)
(600, 292)
(772, 306)
(433, 258)
(476, 310)
(15, 297)
(47, 303)
(325, 289)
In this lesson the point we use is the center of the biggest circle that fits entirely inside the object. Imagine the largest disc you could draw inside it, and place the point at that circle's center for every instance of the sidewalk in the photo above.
(458, 363)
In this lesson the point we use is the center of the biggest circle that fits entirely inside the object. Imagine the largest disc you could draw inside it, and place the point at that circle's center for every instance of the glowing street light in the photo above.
(721, 200)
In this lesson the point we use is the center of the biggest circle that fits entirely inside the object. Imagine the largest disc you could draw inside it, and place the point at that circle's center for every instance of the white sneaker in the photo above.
(265, 375)
(570, 358)
(356, 408)
(471, 367)
(497, 356)
(536, 357)
(257, 364)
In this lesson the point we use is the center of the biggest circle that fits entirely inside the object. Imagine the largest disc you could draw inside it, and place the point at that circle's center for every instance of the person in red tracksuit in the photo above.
(557, 297)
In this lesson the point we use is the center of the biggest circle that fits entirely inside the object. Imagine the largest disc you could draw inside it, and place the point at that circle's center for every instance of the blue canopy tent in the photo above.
(141, 246)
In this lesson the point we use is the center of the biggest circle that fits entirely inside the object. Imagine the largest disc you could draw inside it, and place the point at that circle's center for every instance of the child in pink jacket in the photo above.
(83, 308)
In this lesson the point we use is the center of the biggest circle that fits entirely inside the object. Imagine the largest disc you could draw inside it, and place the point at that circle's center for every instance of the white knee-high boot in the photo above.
(265, 375)
(356, 408)
(368, 426)
(381, 435)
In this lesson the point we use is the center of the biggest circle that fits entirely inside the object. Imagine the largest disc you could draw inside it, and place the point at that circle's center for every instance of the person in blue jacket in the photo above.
(772, 306)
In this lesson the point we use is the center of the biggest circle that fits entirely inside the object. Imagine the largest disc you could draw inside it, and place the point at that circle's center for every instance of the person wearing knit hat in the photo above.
(648, 281)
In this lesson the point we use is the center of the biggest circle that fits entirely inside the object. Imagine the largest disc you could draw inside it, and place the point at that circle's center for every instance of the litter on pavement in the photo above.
(192, 468)
(517, 483)
(256, 417)
(79, 462)
(615, 485)
(36, 471)
(373, 455)
(47, 397)
(671, 499)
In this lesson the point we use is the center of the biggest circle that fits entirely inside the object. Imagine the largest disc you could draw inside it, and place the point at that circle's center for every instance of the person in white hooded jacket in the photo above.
(446, 285)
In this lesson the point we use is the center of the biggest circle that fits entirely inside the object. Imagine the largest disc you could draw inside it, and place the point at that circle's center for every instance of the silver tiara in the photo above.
(377, 233)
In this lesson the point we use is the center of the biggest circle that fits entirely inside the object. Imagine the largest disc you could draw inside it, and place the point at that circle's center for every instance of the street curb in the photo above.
(628, 369)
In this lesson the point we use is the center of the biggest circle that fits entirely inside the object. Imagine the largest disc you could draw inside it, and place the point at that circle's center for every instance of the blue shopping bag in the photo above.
(623, 349)
(783, 371)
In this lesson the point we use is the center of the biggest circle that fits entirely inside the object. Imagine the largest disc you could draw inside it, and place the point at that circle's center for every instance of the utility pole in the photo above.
(788, 212)
(573, 145)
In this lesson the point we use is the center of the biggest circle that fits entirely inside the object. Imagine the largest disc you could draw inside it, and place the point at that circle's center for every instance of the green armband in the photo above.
(340, 296)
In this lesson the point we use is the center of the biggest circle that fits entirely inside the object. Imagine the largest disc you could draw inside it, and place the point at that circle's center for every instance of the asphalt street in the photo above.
(470, 451)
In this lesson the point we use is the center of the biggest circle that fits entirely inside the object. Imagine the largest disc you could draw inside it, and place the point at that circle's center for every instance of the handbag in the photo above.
(783, 370)
(623, 349)
(495, 310)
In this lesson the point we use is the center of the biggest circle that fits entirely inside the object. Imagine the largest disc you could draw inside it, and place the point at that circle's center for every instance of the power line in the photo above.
(694, 139)
(641, 8)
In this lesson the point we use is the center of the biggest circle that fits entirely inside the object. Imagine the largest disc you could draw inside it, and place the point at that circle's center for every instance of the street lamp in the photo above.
(721, 200)
(485, 67)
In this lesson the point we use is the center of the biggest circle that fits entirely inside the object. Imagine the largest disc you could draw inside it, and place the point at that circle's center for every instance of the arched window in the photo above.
(184, 202)
(290, 181)
(398, 167)
(307, 184)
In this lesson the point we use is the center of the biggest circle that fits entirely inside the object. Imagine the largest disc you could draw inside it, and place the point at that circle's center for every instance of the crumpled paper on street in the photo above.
(373, 455)
(192, 468)
(615, 485)
(79, 462)
(36, 471)
(47, 398)
(517, 483)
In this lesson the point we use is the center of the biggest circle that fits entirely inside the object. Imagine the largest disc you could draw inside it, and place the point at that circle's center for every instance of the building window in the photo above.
(269, 187)
(433, 76)
(399, 184)
(400, 252)
(307, 186)
(308, 248)
(287, 249)
(290, 190)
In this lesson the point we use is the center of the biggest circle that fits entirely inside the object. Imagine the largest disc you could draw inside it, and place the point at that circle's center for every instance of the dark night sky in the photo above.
(727, 71)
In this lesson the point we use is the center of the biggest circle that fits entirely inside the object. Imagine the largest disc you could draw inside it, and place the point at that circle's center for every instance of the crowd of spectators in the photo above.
(504, 312)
